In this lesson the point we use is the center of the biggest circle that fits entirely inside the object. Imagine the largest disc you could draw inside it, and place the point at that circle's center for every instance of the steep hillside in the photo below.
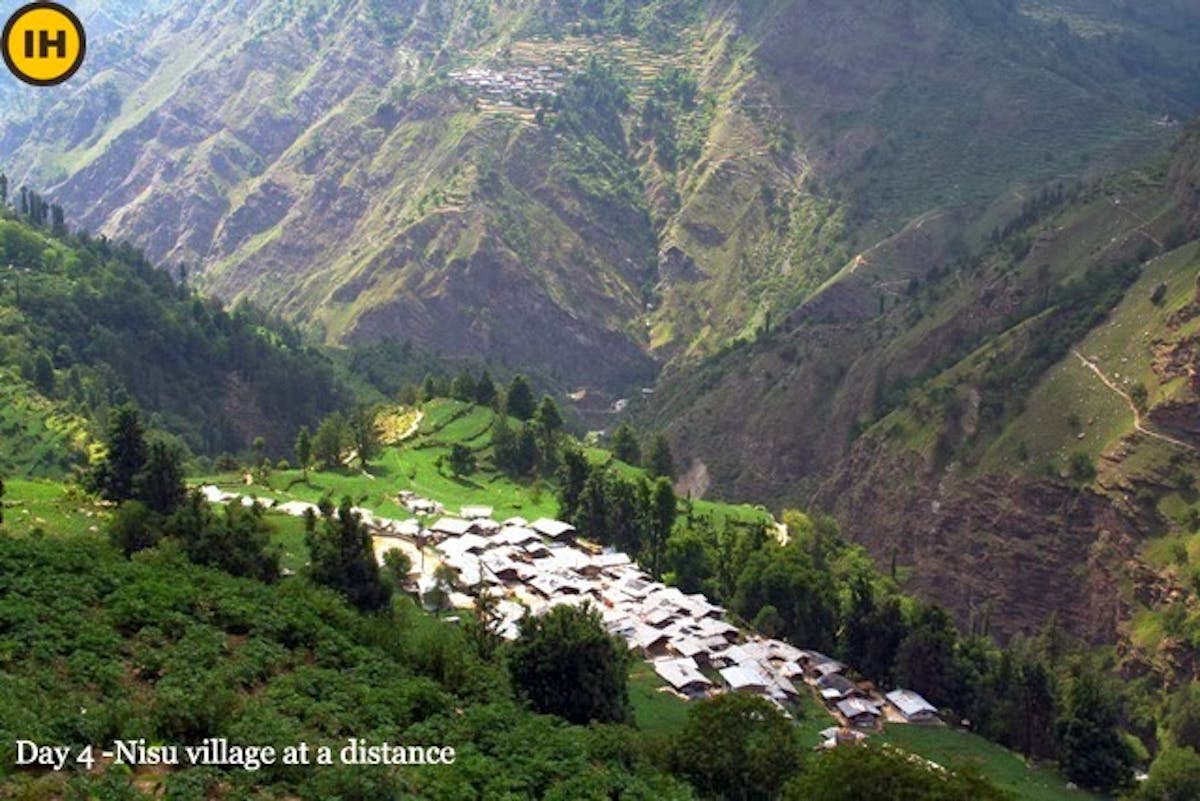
(986, 407)
(85, 324)
(483, 189)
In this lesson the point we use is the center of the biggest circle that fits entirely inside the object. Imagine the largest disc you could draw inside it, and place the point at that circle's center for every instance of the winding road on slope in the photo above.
(1137, 414)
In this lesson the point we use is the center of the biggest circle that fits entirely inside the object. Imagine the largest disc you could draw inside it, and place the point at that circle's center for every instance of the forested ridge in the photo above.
(88, 324)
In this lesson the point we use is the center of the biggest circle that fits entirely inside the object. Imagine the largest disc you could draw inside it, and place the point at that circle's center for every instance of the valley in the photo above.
(929, 273)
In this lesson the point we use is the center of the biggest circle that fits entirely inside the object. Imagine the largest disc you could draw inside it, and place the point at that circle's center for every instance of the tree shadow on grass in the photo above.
(463, 481)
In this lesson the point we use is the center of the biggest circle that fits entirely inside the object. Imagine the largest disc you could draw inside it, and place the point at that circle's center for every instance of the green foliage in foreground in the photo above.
(94, 647)
(871, 773)
(565, 663)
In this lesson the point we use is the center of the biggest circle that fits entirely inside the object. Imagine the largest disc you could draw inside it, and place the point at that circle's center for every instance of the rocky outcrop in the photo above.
(1025, 549)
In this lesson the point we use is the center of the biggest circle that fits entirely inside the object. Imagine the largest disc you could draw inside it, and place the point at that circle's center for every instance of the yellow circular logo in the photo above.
(44, 44)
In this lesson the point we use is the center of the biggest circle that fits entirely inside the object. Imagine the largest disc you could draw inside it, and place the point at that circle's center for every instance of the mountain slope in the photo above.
(956, 414)
(85, 324)
(751, 149)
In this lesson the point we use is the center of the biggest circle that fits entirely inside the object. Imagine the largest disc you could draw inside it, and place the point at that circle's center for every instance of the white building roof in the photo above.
(740, 677)
(516, 535)
(555, 529)
(681, 673)
(855, 707)
(910, 704)
(451, 526)
(475, 512)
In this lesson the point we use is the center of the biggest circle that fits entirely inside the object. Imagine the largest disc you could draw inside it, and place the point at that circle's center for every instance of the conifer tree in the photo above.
(342, 559)
(304, 450)
(625, 445)
(518, 402)
(659, 461)
(115, 477)
(485, 390)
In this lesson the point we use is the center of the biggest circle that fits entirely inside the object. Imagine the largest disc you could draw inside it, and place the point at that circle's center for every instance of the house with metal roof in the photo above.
(912, 706)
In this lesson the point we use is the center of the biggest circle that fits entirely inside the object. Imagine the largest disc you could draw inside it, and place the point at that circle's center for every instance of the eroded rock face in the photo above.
(995, 542)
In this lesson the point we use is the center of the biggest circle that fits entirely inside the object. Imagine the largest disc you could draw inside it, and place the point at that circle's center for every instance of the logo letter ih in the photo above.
(45, 42)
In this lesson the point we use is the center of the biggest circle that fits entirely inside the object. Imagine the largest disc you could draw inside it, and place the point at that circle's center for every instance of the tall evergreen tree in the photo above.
(304, 450)
(572, 474)
(461, 460)
(662, 520)
(925, 660)
(659, 461)
(463, 387)
(504, 445)
(548, 415)
(363, 435)
(342, 559)
(518, 401)
(1092, 752)
(116, 475)
(330, 440)
(429, 388)
(485, 390)
(591, 515)
(625, 445)
(159, 484)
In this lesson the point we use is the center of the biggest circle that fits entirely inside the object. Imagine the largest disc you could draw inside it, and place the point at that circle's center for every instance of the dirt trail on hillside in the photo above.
(1137, 414)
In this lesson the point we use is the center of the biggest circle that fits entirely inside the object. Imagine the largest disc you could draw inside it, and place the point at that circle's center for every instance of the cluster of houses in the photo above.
(686, 639)
(524, 86)
(531, 567)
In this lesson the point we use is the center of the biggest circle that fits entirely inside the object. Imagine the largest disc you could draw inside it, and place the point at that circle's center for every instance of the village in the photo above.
(531, 567)
(525, 86)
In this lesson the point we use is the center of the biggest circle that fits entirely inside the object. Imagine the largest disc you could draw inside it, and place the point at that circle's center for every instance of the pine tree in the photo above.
(159, 485)
(662, 520)
(116, 475)
(304, 450)
(461, 460)
(463, 388)
(429, 388)
(1092, 752)
(363, 434)
(329, 441)
(572, 474)
(518, 401)
(548, 415)
(659, 461)
(504, 445)
(485, 391)
(342, 559)
(625, 445)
